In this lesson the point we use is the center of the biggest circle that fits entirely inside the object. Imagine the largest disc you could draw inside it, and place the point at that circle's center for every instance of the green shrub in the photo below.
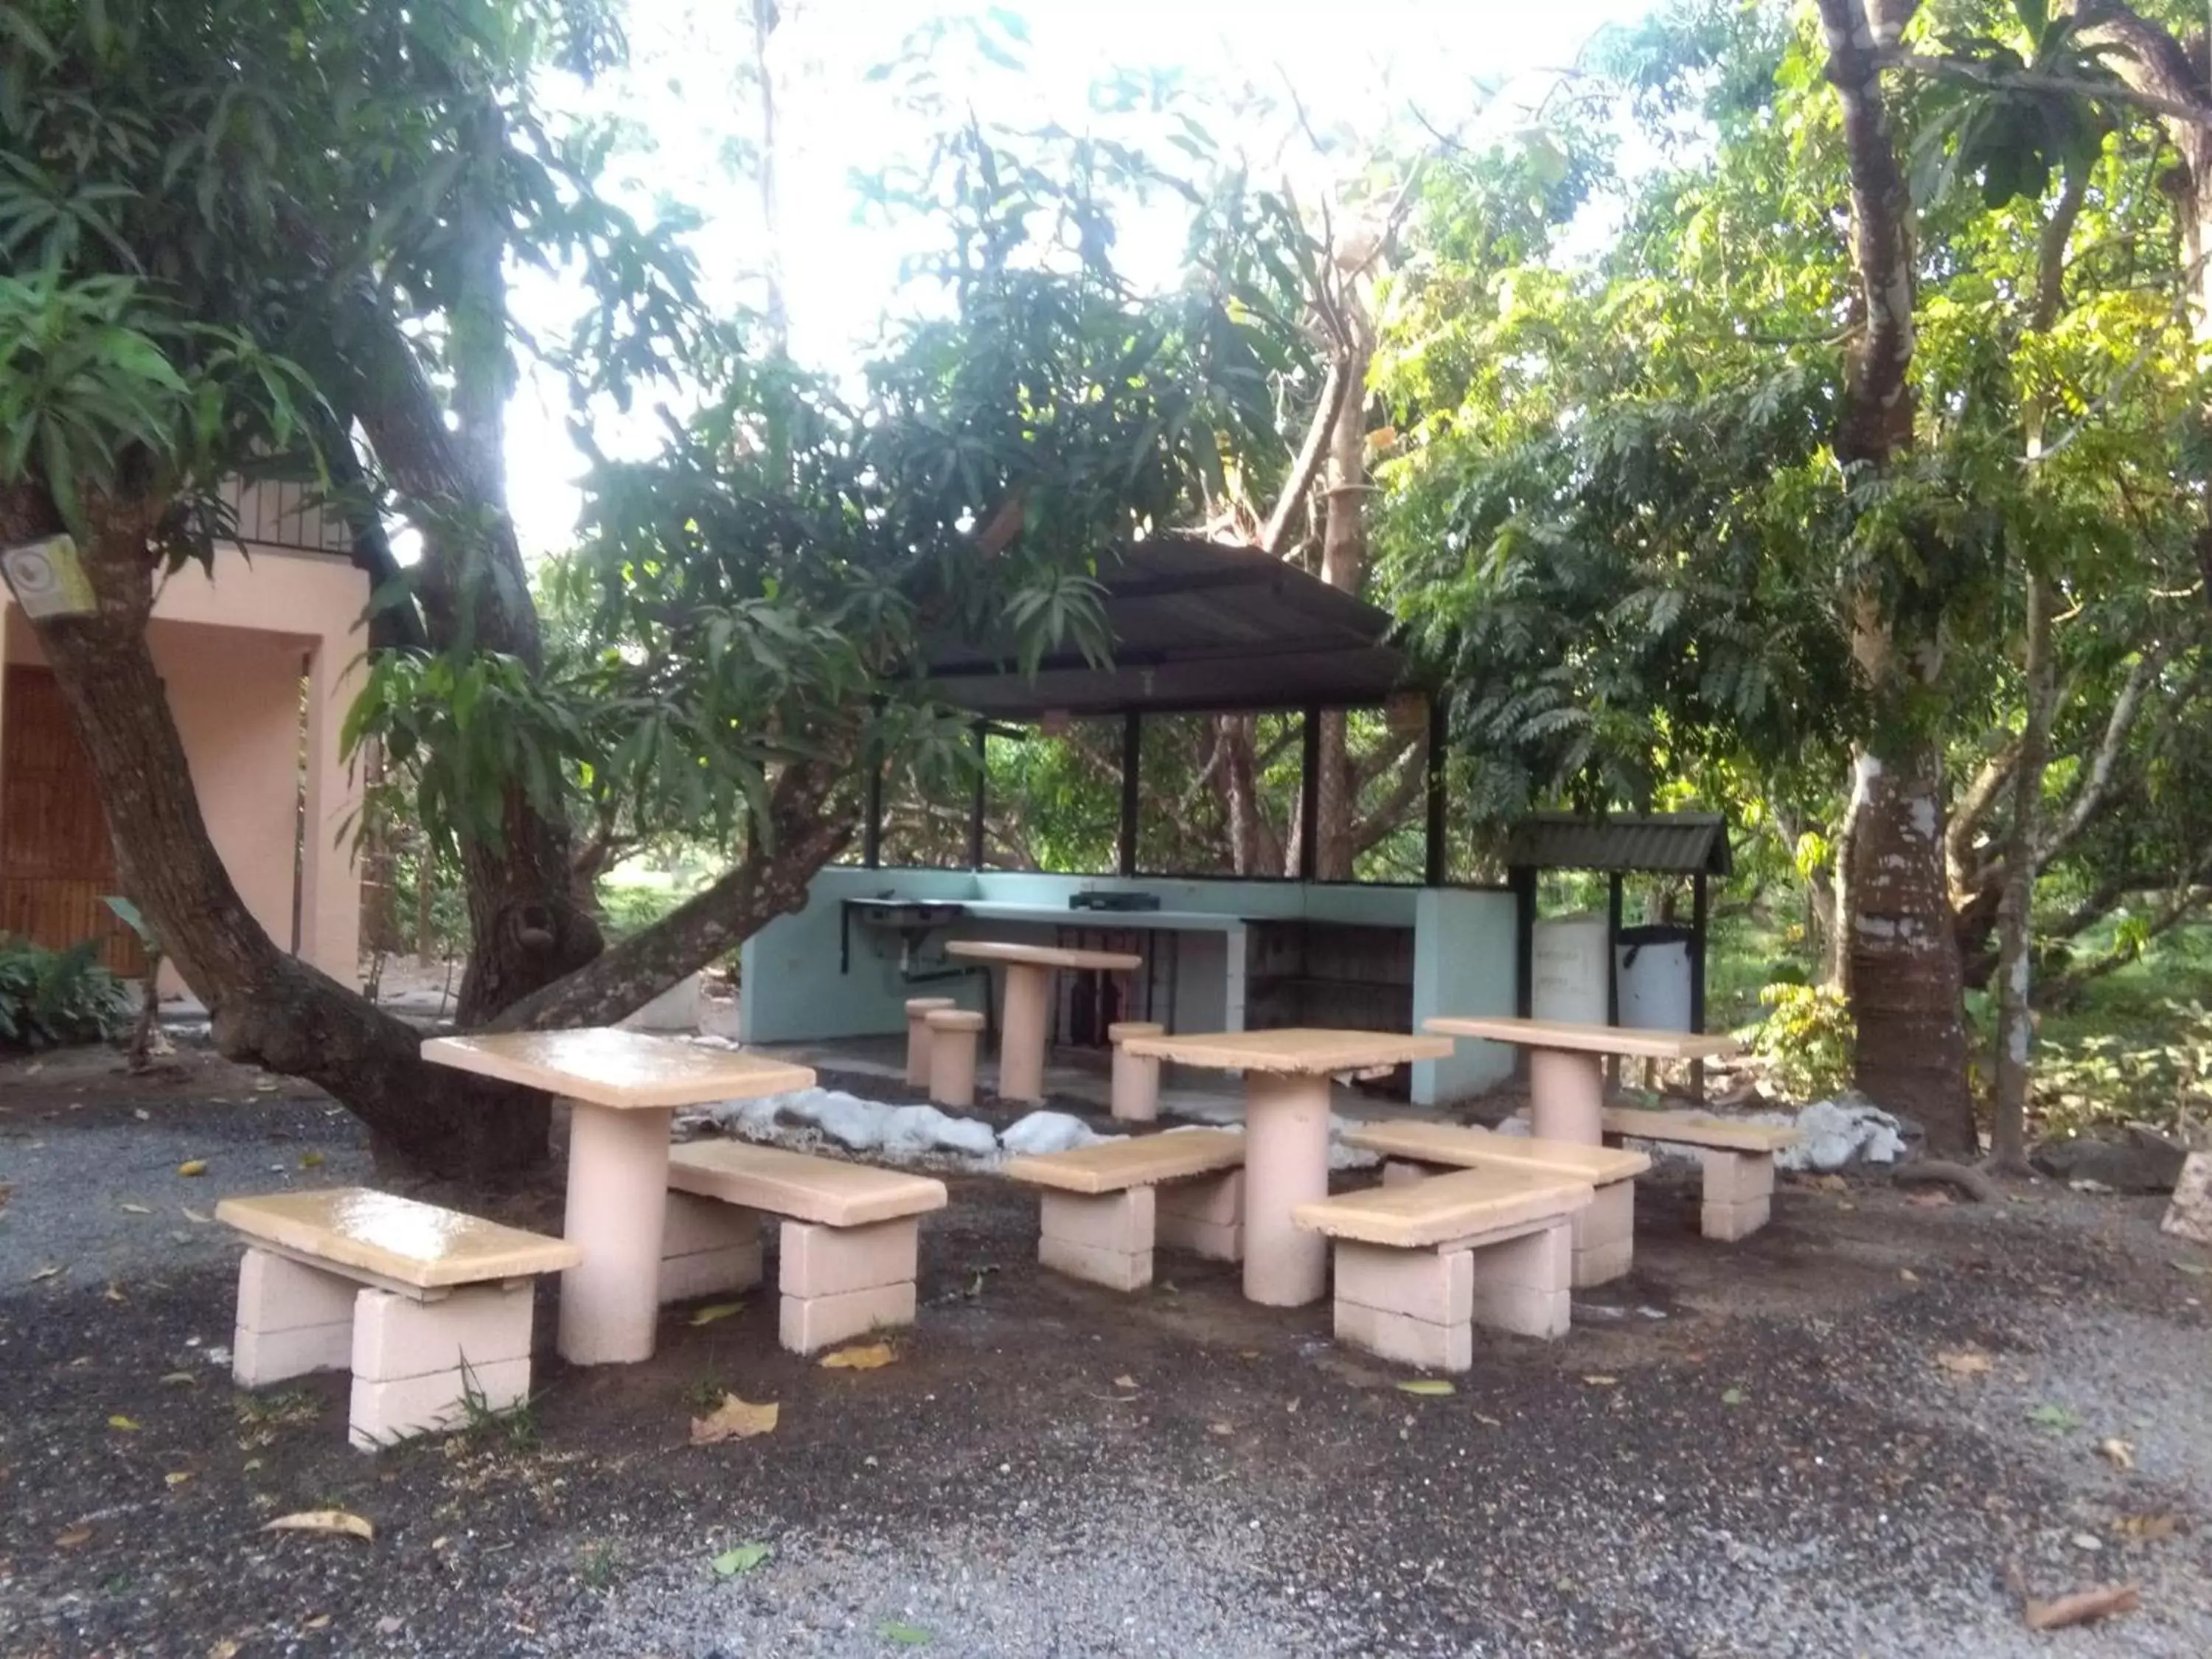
(1805, 1040)
(50, 997)
(2110, 1077)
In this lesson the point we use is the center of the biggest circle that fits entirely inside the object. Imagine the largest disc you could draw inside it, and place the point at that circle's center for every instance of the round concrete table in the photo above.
(1566, 1064)
(622, 1089)
(1286, 1075)
(1025, 1013)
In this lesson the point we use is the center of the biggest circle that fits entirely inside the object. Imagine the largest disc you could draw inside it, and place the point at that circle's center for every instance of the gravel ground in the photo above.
(1857, 1433)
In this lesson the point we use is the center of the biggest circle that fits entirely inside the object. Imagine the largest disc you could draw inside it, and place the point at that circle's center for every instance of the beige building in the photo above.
(261, 660)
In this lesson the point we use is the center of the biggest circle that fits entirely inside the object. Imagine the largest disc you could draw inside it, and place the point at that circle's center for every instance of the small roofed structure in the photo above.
(1618, 844)
(1198, 627)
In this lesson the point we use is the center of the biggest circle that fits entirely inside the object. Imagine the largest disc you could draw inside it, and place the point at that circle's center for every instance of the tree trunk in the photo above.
(2015, 1018)
(1905, 991)
(1344, 567)
(266, 1007)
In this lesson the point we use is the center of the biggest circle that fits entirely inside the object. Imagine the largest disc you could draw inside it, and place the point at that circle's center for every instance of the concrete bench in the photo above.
(848, 1248)
(1604, 1232)
(918, 1010)
(1104, 1208)
(1739, 1159)
(952, 1034)
(1420, 1264)
(428, 1308)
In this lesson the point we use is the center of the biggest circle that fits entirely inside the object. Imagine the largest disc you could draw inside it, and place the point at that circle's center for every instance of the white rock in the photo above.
(911, 1131)
(1836, 1133)
(1041, 1133)
(756, 1120)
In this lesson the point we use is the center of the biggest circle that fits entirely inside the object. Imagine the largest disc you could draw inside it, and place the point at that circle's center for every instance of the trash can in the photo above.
(1652, 969)
(1568, 970)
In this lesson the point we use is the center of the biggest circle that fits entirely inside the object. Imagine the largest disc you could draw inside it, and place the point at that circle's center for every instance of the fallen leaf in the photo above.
(1426, 1385)
(2194, 1269)
(1219, 1428)
(114, 1292)
(733, 1419)
(1908, 1275)
(2118, 1453)
(191, 1214)
(193, 1166)
(122, 1424)
(1602, 1382)
(1930, 1198)
(338, 1523)
(743, 1558)
(320, 1621)
(867, 1356)
(1490, 1422)
(2083, 1607)
(179, 1380)
(2147, 1528)
(177, 1477)
(1831, 1183)
(311, 1160)
(136, 1209)
(1964, 1362)
(1125, 1381)
(708, 1314)
(225, 1649)
(2061, 1417)
(71, 1537)
(55, 1272)
(906, 1636)
(1732, 1396)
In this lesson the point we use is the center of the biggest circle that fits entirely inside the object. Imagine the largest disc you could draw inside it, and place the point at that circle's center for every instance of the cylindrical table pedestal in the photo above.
(1286, 1163)
(617, 1198)
(1567, 1096)
(1021, 1031)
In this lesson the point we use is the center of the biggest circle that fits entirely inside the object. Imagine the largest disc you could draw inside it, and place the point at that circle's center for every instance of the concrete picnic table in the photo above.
(1021, 1018)
(1286, 1075)
(1566, 1064)
(622, 1089)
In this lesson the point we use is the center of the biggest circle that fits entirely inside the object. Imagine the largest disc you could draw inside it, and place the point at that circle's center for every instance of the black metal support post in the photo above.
(1613, 970)
(1436, 863)
(1309, 798)
(1697, 919)
(982, 795)
(1133, 749)
(1522, 880)
(872, 832)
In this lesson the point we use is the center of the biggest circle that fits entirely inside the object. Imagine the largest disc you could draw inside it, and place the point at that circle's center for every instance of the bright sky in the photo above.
(1471, 67)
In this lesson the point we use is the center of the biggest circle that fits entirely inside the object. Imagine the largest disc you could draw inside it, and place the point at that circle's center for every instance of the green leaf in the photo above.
(906, 1636)
(2062, 1418)
(1426, 1386)
(743, 1558)
(1733, 1397)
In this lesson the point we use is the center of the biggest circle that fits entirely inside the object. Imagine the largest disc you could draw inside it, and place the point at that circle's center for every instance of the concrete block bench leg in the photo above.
(843, 1282)
(1205, 1216)
(1106, 1238)
(1412, 1306)
(1521, 1285)
(707, 1246)
(1739, 1193)
(292, 1319)
(1605, 1235)
(1419, 1307)
(417, 1366)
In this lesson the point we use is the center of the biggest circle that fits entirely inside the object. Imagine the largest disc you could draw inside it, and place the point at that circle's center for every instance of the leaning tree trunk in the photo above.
(267, 1008)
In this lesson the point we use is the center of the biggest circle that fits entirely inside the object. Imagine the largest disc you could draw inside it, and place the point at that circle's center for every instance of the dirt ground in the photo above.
(1871, 1428)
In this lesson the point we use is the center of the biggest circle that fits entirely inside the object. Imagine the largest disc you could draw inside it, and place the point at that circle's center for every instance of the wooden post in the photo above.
(1309, 798)
(1133, 743)
(982, 792)
(1436, 861)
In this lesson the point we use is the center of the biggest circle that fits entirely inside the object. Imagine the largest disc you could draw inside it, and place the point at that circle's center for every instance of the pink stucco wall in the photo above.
(233, 650)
